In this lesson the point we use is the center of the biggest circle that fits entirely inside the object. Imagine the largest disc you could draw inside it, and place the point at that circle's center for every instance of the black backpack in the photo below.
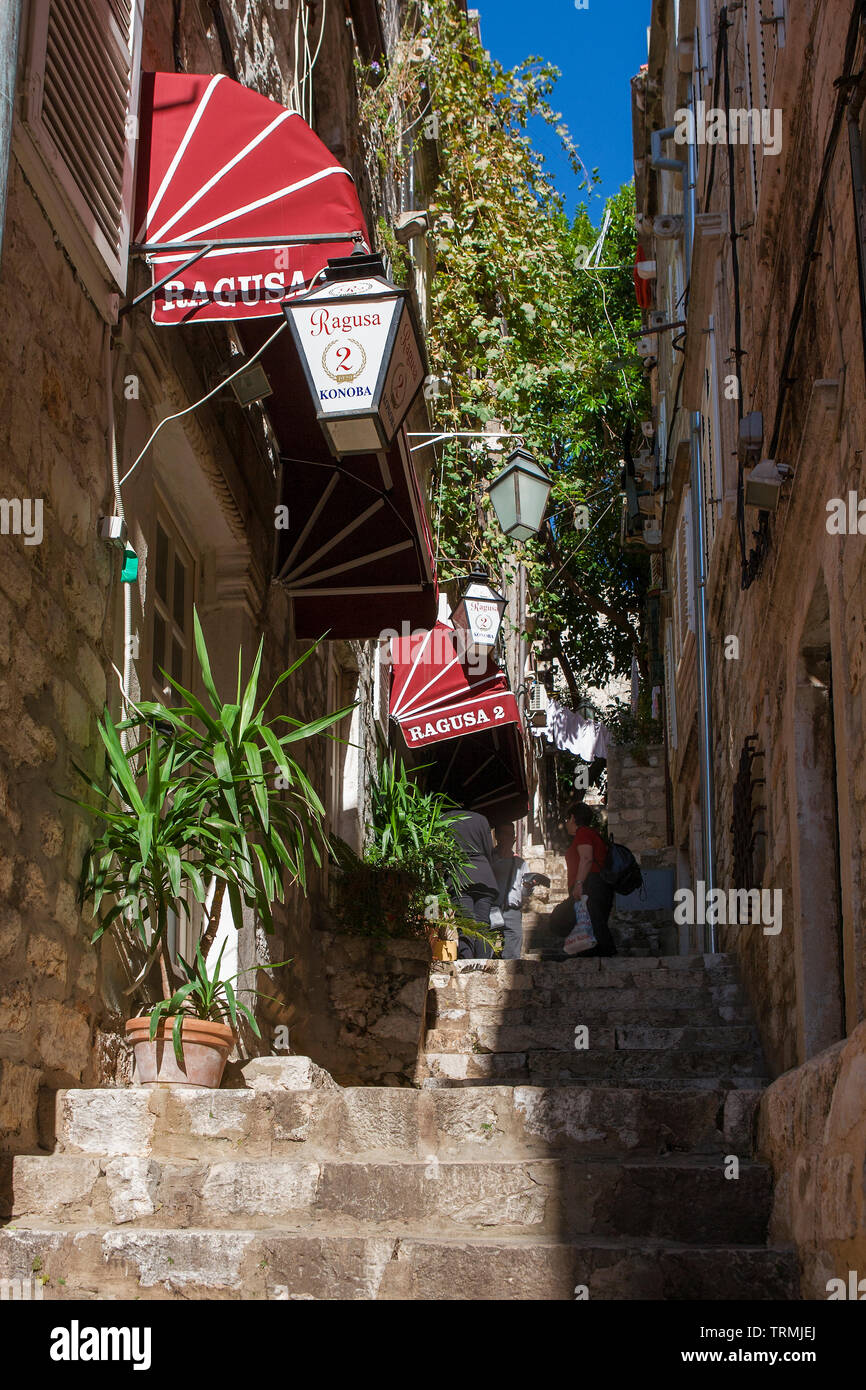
(621, 870)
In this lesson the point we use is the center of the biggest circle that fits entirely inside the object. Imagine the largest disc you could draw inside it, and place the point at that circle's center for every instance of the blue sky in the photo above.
(597, 50)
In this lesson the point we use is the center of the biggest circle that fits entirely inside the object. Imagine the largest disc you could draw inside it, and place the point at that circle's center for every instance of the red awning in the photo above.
(219, 162)
(465, 720)
(355, 555)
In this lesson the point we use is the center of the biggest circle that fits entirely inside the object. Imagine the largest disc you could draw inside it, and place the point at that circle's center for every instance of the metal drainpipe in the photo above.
(688, 170)
(10, 31)
(699, 566)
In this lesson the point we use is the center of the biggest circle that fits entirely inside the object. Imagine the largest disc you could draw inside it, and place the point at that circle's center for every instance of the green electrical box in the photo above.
(129, 573)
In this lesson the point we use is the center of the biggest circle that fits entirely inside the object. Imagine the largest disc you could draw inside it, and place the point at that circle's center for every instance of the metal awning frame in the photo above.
(287, 575)
(200, 249)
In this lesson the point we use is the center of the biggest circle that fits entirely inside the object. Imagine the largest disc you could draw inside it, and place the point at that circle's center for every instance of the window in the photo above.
(704, 57)
(756, 88)
(82, 69)
(382, 687)
(172, 601)
(670, 686)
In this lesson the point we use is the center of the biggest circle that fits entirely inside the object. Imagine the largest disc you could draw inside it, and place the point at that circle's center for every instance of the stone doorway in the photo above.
(820, 941)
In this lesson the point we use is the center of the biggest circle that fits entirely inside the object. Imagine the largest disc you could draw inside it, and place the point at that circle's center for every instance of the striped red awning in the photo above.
(465, 721)
(219, 162)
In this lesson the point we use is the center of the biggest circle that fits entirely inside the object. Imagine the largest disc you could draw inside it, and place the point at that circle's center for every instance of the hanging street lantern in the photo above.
(478, 615)
(519, 495)
(356, 338)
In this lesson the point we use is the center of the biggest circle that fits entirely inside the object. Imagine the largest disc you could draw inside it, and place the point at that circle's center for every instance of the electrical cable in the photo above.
(187, 409)
(582, 541)
(842, 97)
(724, 25)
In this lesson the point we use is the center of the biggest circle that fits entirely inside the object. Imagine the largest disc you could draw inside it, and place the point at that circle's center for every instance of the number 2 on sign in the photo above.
(343, 354)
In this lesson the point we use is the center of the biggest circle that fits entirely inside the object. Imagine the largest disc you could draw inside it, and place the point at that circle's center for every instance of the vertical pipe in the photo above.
(10, 30)
(699, 568)
(522, 654)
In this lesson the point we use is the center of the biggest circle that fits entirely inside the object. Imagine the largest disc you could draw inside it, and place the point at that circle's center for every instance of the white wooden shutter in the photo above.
(82, 97)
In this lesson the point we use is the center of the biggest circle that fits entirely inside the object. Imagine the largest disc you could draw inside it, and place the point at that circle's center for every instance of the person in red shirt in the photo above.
(584, 860)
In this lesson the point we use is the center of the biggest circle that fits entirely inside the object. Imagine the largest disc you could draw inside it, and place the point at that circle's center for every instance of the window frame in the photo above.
(104, 270)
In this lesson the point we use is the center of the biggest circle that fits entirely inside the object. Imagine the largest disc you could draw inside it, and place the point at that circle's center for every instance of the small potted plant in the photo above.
(186, 1039)
(203, 798)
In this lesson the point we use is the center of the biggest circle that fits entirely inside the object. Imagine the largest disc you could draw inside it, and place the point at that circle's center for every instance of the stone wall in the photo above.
(359, 1009)
(787, 657)
(61, 603)
(812, 1128)
(636, 801)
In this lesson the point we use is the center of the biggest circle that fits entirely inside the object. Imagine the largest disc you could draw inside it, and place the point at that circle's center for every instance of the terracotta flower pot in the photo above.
(444, 950)
(206, 1045)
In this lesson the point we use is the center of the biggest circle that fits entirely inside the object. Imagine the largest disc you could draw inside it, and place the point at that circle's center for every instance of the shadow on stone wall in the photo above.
(812, 1128)
(358, 1010)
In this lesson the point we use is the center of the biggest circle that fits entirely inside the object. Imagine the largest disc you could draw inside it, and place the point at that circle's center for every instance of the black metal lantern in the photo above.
(519, 495)
(478, 615)
(361, 353)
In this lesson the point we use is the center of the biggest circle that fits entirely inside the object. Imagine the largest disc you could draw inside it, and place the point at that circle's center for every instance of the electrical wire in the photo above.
(248, 361)
(581, 542)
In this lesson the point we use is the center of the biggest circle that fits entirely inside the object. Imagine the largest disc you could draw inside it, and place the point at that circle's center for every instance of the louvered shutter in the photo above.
(82, 92)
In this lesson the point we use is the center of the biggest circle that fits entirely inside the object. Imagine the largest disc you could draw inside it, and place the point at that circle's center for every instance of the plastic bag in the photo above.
(581, 937)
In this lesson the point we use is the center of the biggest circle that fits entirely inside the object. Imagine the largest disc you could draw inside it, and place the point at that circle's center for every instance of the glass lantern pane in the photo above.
(533, 493)
(503, 495)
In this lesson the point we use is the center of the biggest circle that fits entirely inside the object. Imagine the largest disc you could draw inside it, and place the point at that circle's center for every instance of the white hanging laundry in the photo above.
(571, 733)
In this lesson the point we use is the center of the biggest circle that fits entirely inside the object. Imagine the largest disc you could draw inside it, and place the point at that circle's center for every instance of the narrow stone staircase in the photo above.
(522, 1167)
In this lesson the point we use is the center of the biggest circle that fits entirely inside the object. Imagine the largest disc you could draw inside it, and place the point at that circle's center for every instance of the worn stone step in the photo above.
(545, 1067)
(672, 1198)
(556, 1032)
(643, 997)
(244, 1264)
(625, 1008)
(506, 1122)
(616, 972)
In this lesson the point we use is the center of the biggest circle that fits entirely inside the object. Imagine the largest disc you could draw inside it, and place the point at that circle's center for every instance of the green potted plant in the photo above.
(411, 855)
(204, 797)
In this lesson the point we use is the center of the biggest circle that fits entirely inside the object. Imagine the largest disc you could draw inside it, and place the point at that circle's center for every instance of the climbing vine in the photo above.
(519, 332)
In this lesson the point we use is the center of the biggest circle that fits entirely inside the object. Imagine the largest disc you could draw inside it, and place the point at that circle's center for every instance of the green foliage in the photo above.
(519, 331)
(206, 797)
(411, 855)
(413, 829)
(376, 900)
(635, 730)
(204, 996)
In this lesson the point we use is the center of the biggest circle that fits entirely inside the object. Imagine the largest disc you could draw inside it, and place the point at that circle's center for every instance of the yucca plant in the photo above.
(207, 795)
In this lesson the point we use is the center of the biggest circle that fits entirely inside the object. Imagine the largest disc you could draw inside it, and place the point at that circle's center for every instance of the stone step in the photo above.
(556, 1032)
(616, 972)
(677, 1197)
(626, 1067)
(390, 1121)
(248, 1264)
(686, 1007)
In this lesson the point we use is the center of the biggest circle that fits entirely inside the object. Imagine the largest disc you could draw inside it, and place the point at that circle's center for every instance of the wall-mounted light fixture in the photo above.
(519, 495)
(360, 351)
(764, 484)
